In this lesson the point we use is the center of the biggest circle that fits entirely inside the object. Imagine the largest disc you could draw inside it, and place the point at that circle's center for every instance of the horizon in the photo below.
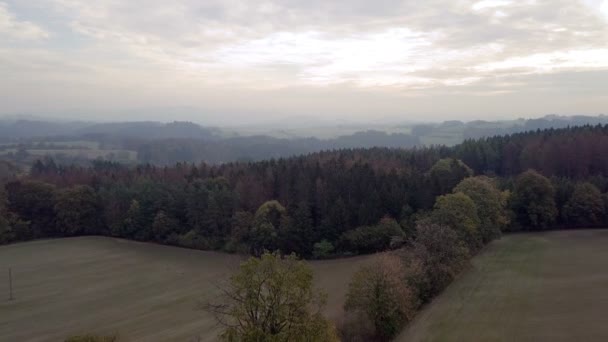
(234, 62)
(305, 122)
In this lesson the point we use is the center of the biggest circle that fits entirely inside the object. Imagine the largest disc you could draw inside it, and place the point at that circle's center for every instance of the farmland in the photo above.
(143, 292)
(524, 287)
(530, 287)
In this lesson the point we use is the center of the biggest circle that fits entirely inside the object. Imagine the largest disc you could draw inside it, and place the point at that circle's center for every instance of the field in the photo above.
(530, 287)
(525, 287)
(141, 291)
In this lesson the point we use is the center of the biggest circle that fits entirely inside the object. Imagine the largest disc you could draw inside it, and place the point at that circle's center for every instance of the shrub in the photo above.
(322, 249)
(370, 239)
(192, 239)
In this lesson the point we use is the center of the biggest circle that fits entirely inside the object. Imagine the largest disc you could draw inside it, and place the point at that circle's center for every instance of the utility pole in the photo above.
(10, 284)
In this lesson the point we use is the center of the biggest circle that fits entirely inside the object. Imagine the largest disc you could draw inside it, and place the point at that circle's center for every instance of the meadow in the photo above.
(525, 287)
(141, 291)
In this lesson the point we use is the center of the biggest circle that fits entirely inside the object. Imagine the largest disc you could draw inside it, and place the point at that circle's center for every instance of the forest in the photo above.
(323, 204)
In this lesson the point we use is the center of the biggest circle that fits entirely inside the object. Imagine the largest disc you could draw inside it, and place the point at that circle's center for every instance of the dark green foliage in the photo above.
(192, 239)
(298, 235)
(585, 207)
(370, 239)
(34, 202)
(240, 235)
(164, 227)
(605, 198)
(533, 201)
(458, 211)
(210, 205)
(6, 231)
(447, 173)
(268, 221)
(272, 298)
(322, 249)
(490, 203)
(337, 220)
(442, 255)
(134, 225)
(77, 211)
(116, 200)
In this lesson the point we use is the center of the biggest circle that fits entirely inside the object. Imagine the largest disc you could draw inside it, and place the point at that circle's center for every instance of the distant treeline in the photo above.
(256, 148)
(166, 144)
(349, 201)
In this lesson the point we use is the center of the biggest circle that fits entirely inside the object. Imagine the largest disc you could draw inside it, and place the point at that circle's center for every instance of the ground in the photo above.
(526, 287)
(143, 292)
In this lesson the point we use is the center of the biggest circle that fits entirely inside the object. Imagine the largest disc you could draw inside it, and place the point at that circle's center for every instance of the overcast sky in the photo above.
(244, 61)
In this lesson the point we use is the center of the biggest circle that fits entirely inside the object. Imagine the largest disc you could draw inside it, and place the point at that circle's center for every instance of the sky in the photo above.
(244, 62)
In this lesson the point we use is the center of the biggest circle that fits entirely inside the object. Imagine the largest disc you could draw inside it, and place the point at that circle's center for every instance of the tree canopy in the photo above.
(585, 207)
(448, 172)
(490, 203)
(458, 211)
(272, 298)
(533, 201)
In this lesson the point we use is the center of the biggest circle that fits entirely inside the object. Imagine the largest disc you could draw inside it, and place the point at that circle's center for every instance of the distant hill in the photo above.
(12, 130)
(168, 143)
(453, 132)
(254, 148)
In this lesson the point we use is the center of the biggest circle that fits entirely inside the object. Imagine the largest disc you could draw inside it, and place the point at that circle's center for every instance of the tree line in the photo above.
(318, 205)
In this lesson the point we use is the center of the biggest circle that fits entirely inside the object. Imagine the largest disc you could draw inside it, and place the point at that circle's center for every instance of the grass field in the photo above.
(528, 287)
(141, 291)
(531, 287)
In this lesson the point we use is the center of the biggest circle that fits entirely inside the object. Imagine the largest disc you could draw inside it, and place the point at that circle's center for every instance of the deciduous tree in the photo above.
(272, 298)
(442, 256)
(585, 207)
(34, 202)
(78, 211)
(268, 220)
(380, 294)
(447, 173)
(164, 226)
(533, 201)
(490, 203)
(369, 239)
(458, 211)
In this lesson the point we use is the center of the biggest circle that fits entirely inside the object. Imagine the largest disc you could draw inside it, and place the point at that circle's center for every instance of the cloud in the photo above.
(12, 28)
(407, 49)
(490, 4)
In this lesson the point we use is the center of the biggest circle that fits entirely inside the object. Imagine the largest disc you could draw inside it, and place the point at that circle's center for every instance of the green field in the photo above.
(530, 287)
(526, 287)
(143, 292)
